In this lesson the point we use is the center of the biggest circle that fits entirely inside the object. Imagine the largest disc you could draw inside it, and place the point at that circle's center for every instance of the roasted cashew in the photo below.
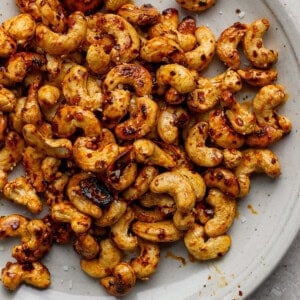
(196, 149)
(121, 281)
(55, 189)
(31, 273)
(176, 76)
(68, 118)
(232, 158)
(225, 209)
(256, 161)
(59, 43)
(163, 231)
(16, 117)
(141, 183)
(114, 5)
(78, 198)
(163, 201)
(20, 28)
(21, 192)
(111, 214)
(154, 214)
(202, 249)
(50, 168)
(134, 75)
(3, 127)
(3, 179)
(86, 246)
(13, 225)
(147, 262)
(170, 119)
(68, 213)
(146, 14)
(149, 153)
(196, 6)
(200, 57)
(110, 256)
(254, 48)
(12, 151)
(7, 45)
(183, 220)
(222, 133)
(120, 232)
(85, 6)
(227, 45)
(257, 77)
(8, 100)
(59, 148)
(222, 179)
(81, 89)
(177, 186)
(143, 114)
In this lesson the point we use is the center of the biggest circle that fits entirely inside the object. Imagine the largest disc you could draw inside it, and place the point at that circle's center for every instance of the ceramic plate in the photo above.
(268, 217)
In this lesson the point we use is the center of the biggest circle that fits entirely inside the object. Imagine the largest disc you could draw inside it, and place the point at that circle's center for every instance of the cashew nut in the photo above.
(7, 45)
(257, 77)
(7, 100)
(196, 6)
(86, 246)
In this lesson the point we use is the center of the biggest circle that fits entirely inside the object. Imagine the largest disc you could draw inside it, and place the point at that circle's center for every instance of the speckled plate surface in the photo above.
(268, 217)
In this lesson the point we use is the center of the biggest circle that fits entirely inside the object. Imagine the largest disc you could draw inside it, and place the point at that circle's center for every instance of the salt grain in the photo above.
(66, 268)
(241, 14)
(70, 284)
(243, 219)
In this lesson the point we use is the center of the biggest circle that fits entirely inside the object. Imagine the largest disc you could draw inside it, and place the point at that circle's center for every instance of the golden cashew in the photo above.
(232, 158)
(141, 183)
(170, 119)
(83, 193)
(50, 168)
(164, 201)
(225, 209)
(111, 214)
(149, 215)
(55, 189)
(13, 225)
(257, 77)
(227, 45)
(222, 179)
(114, 5)
(12, 151)
(163, 231)
(68, 213)
(20, 28)
(16, 117)
(177, 186)
(59, 148)
(149, 153)
(21, 192)
(49, 99)
(59, 43)
(120, 232)
(7, 45)
(130, 74)
(109, 257)
(143, 115)
(183, 220)
(3, 179)
(222, 133)
(34, 274)
(81, 89)
(68, 118)
(200, 57)
(196, 149)
(256, 161)
(146, 14)
(202, 249)
(86, 246)
(98, 61)
(8, 100)
(176, 76)
(3, 127)
(115, 106)
(254, 48)
(196, 6)
(121, 281)
(146, 263)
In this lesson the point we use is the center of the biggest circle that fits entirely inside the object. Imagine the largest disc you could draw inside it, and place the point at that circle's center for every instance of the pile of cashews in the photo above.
(122, 138)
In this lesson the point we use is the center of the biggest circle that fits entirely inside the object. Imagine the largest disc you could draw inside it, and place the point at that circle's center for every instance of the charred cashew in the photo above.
(21, 192)
(147, 262)
(121, 281)
(149, 153)
(35, 274)
(58, 43)
(119, 232)
(59, 148)
(68, 118)
(67, 212)
(225, 209)
(196, 6)
(196, 149)
(81, 89)
(143, 114)
(227, 45)
(254, 48)
(256, 161)
(132, 74)
(109, 257)
(212, 248)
